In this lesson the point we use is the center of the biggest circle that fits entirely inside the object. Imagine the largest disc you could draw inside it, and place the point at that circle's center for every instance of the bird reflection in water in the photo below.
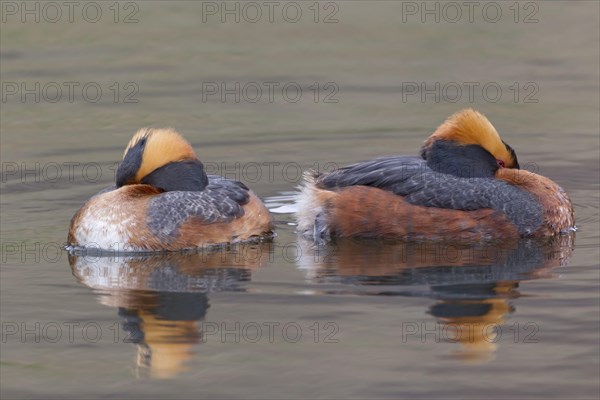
(162, 299)
(472, 284)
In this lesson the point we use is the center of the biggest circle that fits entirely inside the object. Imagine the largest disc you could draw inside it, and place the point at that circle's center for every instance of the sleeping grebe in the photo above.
(465, 186)
(163, 200)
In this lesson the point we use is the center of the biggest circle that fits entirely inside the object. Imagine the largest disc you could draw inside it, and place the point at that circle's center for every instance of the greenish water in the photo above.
(286, 319)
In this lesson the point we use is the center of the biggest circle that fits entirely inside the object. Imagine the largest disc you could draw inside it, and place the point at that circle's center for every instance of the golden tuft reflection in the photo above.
(472, 323)
(472, 284)
(162, 298)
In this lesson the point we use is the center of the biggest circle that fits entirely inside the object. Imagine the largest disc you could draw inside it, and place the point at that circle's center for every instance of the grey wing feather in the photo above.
(221, 201)
(383, 173)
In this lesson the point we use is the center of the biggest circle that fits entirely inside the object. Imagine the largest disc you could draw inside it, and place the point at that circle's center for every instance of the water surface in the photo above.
(288, 319)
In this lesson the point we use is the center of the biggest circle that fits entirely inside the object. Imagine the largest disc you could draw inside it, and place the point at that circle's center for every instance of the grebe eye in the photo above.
(500, 163)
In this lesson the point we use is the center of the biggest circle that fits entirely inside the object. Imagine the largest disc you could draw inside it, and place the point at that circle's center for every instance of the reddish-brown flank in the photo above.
(372, 212)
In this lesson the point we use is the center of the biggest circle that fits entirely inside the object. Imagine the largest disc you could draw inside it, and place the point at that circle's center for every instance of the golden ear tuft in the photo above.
(163, 146)
(471, 127)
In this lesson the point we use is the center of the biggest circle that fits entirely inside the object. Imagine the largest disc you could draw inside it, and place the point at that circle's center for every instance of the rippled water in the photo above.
(355, 319)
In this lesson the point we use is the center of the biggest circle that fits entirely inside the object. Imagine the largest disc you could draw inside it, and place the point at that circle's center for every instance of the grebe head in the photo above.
(470, 134)
(161, 158)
